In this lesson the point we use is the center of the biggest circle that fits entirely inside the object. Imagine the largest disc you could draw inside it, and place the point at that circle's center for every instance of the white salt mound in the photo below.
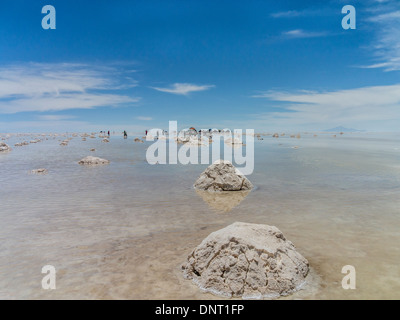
(4, 147)
(222, 176)
(91, 161)
(247, 260)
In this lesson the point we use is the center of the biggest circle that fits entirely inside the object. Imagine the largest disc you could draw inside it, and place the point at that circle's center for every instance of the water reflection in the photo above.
(223, 202)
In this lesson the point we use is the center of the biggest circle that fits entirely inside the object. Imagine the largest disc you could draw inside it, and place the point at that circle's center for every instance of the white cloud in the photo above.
(184, 88)
(287, 14)
(298, 34)
(303, 13)
(54, 87)
(144, 118)
(369, 108)
(385, 17)
(53, 117)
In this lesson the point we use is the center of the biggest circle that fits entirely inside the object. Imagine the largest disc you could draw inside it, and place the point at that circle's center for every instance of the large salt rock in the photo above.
(4, 147)
(247, 260)
(222, 176)
(92, 161)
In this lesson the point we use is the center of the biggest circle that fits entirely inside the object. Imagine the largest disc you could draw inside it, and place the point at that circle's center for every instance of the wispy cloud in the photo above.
(370, 108)
(385, 17)
(55, 87)
(304, 13)
(144, 118)
(299, 33)
(184, 88)
(287, 14)
(54, 117)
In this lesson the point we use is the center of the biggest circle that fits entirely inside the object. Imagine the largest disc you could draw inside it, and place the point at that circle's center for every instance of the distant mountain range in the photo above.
(342, 129)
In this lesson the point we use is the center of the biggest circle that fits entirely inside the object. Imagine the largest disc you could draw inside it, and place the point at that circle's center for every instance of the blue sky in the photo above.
(135, 65)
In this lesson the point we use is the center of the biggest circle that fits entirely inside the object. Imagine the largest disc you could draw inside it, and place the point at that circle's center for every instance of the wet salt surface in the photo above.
(121, 231)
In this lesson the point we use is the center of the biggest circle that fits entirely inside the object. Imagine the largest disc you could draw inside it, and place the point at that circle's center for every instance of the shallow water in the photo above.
(121, 231)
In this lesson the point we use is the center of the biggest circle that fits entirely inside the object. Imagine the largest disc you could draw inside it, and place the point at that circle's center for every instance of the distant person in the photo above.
(125, 135)
(146, 132)
(108, 133)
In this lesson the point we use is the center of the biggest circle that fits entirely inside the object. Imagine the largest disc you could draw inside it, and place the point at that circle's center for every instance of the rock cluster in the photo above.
(4, 147)
(20, 144)
(92, 161)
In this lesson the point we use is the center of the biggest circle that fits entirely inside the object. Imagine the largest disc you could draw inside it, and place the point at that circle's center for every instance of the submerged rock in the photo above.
(194, 141)
(234, 141)
(92, 161)
(4, 147)
(247, 260)
(222, 176)
(138, 140)
(105, 140)
(64, 142)
(40, 171)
